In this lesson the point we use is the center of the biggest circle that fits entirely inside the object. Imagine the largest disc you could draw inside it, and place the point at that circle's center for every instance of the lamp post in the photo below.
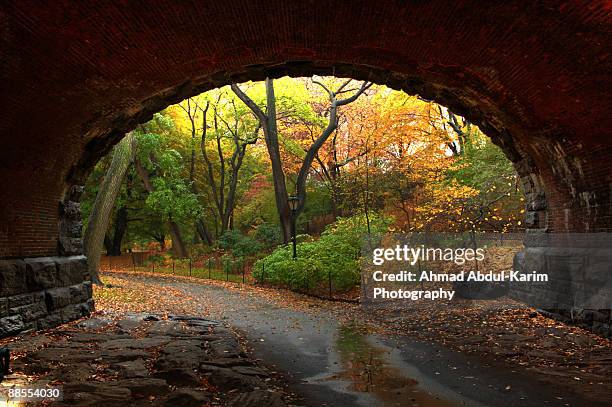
(293, 202)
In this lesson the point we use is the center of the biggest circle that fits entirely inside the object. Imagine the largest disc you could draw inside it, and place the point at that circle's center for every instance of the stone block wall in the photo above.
(579, 290)
(42, 292)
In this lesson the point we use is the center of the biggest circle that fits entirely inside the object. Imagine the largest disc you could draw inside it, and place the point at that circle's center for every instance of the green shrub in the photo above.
(240, 245)
(335, 255)
(229, 239)
(268, 234)
(200, 250)
(303, 238)
(156, 259)
(352, 230)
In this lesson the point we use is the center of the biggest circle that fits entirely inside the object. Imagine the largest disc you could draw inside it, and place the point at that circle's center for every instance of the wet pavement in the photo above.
(327, 363)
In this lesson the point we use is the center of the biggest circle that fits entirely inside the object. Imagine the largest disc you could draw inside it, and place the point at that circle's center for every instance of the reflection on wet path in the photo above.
(367, 369)
(327, 364)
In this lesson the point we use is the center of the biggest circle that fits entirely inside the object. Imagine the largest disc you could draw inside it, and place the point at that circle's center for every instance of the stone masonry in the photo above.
(42, 292)
(579, 268)
(143, 360)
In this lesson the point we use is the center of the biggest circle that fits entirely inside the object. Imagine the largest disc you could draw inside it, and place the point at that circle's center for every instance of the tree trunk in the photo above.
(203, 232)
(200, 226)
(104, 203)
(108, 245)
(268, 124)
(121, 221)
(178, 245)
(278, 175)
(161, 239)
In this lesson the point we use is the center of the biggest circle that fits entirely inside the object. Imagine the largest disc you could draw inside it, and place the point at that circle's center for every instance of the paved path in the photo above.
(328, 363)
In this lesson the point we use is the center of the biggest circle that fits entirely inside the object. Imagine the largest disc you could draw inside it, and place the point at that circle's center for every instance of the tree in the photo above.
(116, 232)
(105, 201)
(231, 136)
(160, 168)
(270, 130)
(379, 151)
(120, 226)
(268, 121)
(178, 244)
(191, 108)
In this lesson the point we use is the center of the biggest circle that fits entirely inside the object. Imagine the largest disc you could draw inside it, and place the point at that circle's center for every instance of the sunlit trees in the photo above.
(226, 130)
(268, 122)
(161, 171)
(222, 164)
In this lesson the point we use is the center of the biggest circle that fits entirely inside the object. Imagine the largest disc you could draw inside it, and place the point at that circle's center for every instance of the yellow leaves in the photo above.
(453, 192)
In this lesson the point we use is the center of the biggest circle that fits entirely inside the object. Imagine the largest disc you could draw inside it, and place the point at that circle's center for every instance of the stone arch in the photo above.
(534, 77)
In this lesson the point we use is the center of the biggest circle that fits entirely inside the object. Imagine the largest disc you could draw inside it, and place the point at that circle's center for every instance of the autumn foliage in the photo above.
(203, 178)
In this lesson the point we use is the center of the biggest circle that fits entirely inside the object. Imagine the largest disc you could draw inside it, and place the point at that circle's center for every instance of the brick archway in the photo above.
(76, 77)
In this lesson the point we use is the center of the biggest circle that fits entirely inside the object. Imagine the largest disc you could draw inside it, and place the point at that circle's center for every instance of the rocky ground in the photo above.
(140, 359)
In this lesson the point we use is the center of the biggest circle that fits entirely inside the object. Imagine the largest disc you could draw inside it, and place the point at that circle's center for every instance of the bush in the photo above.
(229, 239)
(200, 250)
(303, 238)
(240, 245)
(268, 234)
(156, 259)
(335, 255)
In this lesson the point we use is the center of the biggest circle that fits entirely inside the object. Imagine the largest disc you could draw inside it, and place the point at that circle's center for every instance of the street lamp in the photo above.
(293, 202)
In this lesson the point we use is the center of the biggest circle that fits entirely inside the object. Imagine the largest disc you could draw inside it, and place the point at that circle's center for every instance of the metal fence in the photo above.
(239, 270)
(215, 268)
(220, 268)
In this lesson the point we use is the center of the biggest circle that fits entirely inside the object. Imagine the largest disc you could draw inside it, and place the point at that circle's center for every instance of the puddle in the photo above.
(367, 369)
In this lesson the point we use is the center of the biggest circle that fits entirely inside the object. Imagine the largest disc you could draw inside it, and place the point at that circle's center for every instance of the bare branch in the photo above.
(343, 86)
(365, 86)
(329, 92)
(249, 102)
(346, 91)
(349, 160)
(187, 110)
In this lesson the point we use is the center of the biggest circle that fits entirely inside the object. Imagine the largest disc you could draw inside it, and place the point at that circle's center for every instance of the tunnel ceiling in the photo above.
(74, 63)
